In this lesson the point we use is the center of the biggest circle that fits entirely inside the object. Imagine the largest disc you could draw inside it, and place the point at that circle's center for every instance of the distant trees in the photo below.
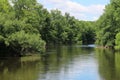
(88, 32)
(65, 29)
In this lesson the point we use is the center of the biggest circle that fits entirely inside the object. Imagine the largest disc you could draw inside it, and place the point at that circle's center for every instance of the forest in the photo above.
(26, 26)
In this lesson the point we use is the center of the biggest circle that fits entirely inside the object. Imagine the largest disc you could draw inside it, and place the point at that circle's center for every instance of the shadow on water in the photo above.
(12, 68)
(7, 52)
(109, 64)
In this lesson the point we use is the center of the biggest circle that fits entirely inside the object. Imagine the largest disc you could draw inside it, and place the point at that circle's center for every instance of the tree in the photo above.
(117, 41)
(87, 32)
(29, 26)
(18, 31)
(108, 25)
(24, 42)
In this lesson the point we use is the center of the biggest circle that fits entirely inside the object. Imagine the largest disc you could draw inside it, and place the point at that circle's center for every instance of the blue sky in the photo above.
(89, 2)
(88, 10)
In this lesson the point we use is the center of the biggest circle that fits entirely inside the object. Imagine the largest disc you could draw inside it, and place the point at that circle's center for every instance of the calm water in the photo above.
(63, 63)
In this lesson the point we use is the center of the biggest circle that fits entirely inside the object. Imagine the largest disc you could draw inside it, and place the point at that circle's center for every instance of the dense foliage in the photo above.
(108, 25)
(18, 23)
(26, 26)
(117, 42)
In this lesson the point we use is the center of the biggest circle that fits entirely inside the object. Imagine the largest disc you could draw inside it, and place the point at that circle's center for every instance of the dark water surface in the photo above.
(63, 63)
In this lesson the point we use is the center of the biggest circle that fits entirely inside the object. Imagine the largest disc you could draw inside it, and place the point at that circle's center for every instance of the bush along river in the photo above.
(63, 63)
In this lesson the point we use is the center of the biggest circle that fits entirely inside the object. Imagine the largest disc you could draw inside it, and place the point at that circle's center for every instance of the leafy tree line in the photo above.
(108, 26)
(18, 21)
(25, 25)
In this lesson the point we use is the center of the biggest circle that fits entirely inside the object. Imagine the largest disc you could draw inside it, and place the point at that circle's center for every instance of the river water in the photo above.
(63, 63)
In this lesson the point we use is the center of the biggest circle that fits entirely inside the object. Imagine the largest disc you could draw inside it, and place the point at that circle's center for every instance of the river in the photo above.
(63, 63)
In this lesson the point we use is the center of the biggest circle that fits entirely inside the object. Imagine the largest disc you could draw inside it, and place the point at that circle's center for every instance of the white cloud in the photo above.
(95, 18)
(91, 12)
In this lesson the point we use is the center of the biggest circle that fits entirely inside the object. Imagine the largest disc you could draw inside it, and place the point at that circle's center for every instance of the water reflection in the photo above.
(70, 63)
(106, 60)
(117, 65)
(63, 63)
(15, 69)
(109, 64)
